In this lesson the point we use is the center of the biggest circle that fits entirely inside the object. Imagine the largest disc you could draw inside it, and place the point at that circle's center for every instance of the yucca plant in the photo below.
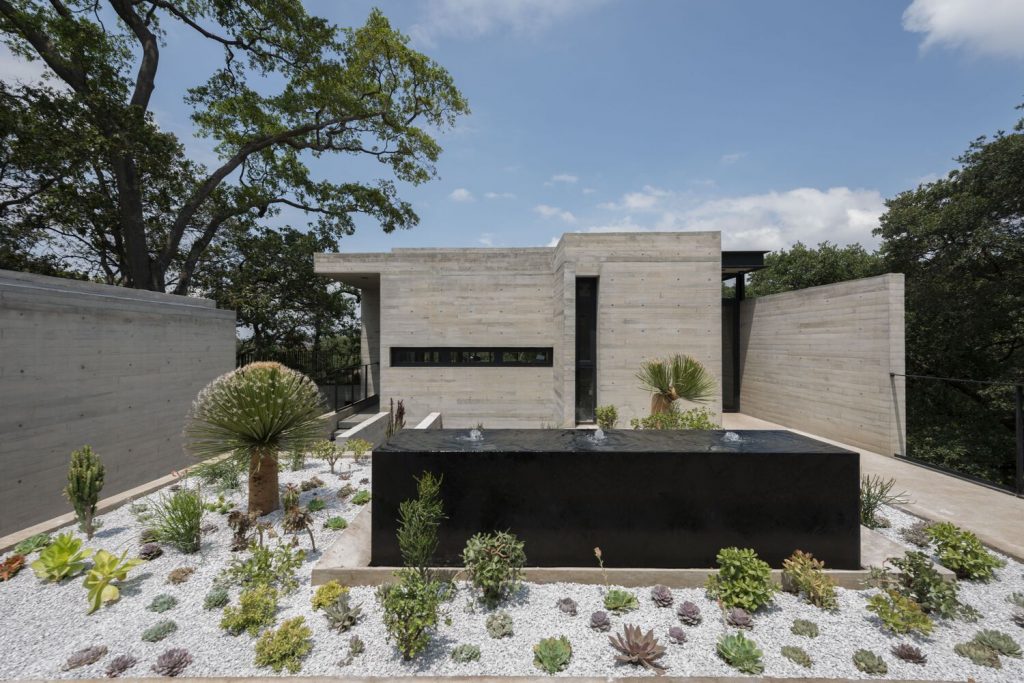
(255, 413)
(671, 379)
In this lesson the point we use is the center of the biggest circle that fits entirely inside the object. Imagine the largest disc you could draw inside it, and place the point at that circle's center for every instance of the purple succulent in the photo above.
(119, 664)
(662, 596)
(599, 621)
(739, 617)
(85, 656)
(172, 662)
(568, 606)
(676, 635)
(150, 551)
(688, 613)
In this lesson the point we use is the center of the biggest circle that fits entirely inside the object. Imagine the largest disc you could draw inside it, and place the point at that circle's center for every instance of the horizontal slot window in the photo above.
(403, 356)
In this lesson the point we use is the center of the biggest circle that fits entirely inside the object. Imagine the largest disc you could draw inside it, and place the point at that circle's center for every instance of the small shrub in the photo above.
(806, 575)
(275, 567)
(286, 647)
(217, 597)
(10, 567)
(358, 448)
(917, 579)
(316, 505)
(869, 663)
(803, 627)
(694, 418)
(180, 575)
(606, 416)
(361, 498)
(85, 481)
(494, 563)
(874, 493)
(159, 631)
(740, 653)
(899, 614)
(107, 568)
(743, 580)
(499, 625)
(465, 653)
(962, 552)
(419, 520)
(327, 451)
(296, 459)
(917, 534)
(327, 593)
(61, 559)
(797, 655)
(336, 524)
(552, 654)
(256, 609)
(162, 603)
(177, 519)
(221, 505)
(410, 612)
(311, 484)
(33, 543)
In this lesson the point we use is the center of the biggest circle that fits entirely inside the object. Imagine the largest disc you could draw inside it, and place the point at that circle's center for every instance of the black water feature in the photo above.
(660, 499)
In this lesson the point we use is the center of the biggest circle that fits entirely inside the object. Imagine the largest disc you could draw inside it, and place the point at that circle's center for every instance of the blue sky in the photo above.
(771, 121)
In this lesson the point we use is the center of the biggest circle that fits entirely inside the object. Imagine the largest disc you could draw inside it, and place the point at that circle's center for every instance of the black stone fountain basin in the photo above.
(656, 499)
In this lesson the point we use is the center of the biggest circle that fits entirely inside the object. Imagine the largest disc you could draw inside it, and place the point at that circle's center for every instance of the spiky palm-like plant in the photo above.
(254, 413)
(671, 379)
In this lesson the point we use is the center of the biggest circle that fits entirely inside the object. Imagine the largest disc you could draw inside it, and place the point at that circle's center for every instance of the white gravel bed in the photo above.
(44, 623)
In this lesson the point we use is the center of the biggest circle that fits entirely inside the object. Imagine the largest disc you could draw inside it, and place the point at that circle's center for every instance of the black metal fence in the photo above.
(969, 428)
(340, 381)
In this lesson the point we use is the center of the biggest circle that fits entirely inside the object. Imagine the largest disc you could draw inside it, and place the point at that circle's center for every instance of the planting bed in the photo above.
(45, 623)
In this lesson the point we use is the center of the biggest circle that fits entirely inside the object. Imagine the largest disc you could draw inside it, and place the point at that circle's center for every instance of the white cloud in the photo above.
(469, 19)
(461, 194)
(566, 178)
(16, 68)
(499, 195)
(731, 158)
(772, 220)
(588, 190)
(645, 200)
(991, 27)
(486, 239)
(555, 212)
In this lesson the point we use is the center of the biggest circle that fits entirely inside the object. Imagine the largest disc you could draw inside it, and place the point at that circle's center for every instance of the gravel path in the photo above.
(44, 623)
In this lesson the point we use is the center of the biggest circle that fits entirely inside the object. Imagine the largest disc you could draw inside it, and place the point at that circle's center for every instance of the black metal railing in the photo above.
(971, 428)
(340, 381)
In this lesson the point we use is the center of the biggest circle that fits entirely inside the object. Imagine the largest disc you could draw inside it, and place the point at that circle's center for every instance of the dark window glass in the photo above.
(490, 356)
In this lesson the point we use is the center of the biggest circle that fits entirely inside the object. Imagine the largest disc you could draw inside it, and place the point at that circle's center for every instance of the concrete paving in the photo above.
(996, 517)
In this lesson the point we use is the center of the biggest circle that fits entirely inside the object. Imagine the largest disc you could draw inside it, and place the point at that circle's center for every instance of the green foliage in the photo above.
(33, 543)
(803, 627)
(220, 505)
(1016, 598)
(256, 609)
(466, 652)
(673, 418)
(806, 575)
(999, 642)
(802, 266)
(327, 451)
(159, 631)
(869, 663)
(918, 580)
(341, 614)
(336, 524)
(85, 480)
(962, 552)
(162, 603)
(220, 473)
(358, 447)
(552, 655)
(740, 653)
(797, 655)
(107, 568)
(606, 416)
(899, 613)
(499, 624)
(177, 519)
(494, 563)
(296, 460)
(286, 647)
(327, 593)
(264, 566)
(361, 498)
(743, 580)
(675, 378)
(617, 600)
(410, 611)
(979, 654)
(316, 505)
(419, 520)
(61, 559)
(874, 493)
(217, 597)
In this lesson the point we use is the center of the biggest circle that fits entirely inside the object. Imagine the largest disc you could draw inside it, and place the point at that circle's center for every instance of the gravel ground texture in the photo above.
(46, 623)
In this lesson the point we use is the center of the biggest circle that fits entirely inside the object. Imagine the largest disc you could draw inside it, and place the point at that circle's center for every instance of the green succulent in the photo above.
(217, 597)
(327, 593)
(979, 654)
(316, 505)
(33, 543)
(999, 642)
(107, 568)
(803, 627)
(64, 557)
(499, 625)
(552, 654)
(963, 552)
(341, 614)
(467, 652)
(495, 565)
(336, 524)
(741, 653)
(743, 580)
(159, 631)
(899, 613)
(410, 611)
(256, 609)
(619, 601)
(803, 574)
(361, 498)
(797, 655)
(869, 663)
(162, 603)
(286, 647)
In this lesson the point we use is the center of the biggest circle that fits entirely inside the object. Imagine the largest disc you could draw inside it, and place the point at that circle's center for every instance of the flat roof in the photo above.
(737, 262)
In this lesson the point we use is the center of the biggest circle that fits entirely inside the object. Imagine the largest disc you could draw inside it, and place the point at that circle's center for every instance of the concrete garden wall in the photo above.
(85, 363)
(819, 359)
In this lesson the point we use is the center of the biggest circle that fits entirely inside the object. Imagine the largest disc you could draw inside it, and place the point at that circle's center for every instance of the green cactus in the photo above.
(85, 480)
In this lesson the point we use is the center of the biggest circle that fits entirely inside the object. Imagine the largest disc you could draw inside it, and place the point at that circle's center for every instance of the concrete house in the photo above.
(531, 337)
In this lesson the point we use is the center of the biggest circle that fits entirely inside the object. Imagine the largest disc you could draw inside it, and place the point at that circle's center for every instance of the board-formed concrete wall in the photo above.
(84, 363)
(819, 359)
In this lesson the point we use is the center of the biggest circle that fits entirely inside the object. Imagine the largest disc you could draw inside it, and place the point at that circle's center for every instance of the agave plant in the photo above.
(637, 647)
(671, 379)
(254, 413)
